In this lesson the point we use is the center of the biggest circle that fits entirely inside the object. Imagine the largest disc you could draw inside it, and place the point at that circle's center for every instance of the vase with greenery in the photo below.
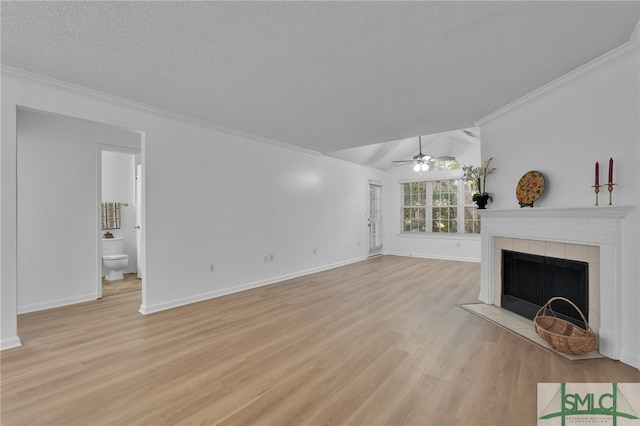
(477, 175)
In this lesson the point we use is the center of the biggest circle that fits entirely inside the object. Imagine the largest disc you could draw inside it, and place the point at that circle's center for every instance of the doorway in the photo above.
(120, 217)
(374, 220)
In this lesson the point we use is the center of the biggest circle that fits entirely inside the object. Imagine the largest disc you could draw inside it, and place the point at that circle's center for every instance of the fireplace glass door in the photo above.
(529, 281)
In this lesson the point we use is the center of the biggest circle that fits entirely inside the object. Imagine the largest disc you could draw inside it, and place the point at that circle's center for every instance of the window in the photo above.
(444, 208)
(471, 216)
(439, 206)
(415, 202)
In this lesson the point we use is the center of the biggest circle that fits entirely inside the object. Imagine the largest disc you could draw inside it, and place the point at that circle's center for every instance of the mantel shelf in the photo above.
(558, 212)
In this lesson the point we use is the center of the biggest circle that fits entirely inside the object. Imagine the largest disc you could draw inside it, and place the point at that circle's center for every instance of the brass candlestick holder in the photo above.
(610, 189)
(597, 191)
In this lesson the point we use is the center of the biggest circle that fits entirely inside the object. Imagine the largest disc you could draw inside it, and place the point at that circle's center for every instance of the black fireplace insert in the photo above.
(529, 281)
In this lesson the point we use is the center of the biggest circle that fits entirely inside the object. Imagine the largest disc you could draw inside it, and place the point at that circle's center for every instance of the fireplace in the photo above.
(587, 234)
(530, 280)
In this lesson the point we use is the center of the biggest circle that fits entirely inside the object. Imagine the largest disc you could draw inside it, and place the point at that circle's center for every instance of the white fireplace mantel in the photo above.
(601, 226)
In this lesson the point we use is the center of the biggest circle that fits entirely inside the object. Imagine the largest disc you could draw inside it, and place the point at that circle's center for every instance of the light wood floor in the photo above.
(379, 342)
(131, 282)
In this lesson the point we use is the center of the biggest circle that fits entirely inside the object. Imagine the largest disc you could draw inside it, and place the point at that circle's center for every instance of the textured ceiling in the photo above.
(322, 75)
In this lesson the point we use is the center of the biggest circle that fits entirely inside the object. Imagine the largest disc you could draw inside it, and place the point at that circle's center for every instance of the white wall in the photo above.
(211, 196)
(449, 247)
(227, 200)
(562, 131)
(118, 177)
(118, 185)
(57, 207)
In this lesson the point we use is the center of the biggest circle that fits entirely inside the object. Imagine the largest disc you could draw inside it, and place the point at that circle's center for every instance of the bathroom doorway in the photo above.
(120, 221)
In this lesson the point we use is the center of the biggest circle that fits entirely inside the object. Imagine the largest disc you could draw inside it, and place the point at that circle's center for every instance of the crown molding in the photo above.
(52, 83)
(618, 54)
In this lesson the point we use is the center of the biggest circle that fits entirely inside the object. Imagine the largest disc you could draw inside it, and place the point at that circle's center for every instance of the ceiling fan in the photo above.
(420, 161)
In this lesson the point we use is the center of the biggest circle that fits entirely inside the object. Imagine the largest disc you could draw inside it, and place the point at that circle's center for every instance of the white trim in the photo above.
(150, 309)
(58, 303)
(10, 343)
(437, 257)
(98, 213)
(138, 106)
(611, 57)
(630, 358)
(440, 235)
(560, 212)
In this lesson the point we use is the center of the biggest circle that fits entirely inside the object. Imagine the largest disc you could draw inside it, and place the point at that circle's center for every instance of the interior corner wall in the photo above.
(456, 247)
(562, 132)
(58, 231)
(257, 211)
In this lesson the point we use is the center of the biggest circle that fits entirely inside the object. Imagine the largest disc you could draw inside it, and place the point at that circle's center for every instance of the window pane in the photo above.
(414, 219)
(444, 219)
(471, 217)
(471, 220)
(406, 220)
(419, 220)
(445, 192)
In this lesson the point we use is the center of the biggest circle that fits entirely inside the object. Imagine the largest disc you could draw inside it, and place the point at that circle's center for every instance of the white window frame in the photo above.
(429, 177)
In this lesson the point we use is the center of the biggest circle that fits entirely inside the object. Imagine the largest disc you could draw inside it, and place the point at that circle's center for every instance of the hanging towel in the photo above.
(111, 213)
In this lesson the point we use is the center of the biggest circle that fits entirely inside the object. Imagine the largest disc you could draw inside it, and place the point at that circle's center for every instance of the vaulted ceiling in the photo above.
(326, 76)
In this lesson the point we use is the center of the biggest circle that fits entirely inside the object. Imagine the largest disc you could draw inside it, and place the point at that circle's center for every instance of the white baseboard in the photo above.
(150, 309)
(56, 303)
(437, 257)
(605, 346)
(9, 343)
(630, 359)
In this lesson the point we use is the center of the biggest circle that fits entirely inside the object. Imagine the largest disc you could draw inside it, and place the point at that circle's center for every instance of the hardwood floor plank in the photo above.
(379, 342)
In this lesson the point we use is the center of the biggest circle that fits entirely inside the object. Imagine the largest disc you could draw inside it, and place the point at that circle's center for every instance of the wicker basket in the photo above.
(564, 335)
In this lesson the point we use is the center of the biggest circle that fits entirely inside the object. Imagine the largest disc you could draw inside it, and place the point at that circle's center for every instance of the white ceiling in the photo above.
(322, 75)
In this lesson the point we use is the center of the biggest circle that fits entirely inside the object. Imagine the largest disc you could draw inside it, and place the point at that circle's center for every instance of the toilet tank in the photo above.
(112, 246)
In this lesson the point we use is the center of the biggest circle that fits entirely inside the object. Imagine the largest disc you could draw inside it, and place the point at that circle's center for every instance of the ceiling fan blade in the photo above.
(421, 158)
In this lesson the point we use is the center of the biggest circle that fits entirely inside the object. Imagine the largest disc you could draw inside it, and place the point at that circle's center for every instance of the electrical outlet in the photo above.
(266, 259)
(271, 258)
(314, 251)
(212, 268)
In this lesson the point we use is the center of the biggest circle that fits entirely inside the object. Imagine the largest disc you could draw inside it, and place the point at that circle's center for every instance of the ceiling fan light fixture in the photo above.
(416, 167)
(424, 167)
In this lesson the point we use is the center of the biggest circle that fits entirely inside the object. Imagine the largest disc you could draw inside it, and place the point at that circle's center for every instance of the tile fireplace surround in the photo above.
(591, 234)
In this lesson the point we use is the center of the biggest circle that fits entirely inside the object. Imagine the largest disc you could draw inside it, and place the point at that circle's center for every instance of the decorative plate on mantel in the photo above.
(530, 188)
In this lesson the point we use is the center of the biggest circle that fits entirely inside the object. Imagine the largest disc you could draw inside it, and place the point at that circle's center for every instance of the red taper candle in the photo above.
(597, 173)
(610, 170)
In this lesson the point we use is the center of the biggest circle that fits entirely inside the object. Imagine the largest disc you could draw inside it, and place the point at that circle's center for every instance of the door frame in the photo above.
(376, 250)
(136, 153)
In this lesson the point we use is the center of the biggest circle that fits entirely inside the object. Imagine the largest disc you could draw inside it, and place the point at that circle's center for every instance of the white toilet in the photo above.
(113, 260)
